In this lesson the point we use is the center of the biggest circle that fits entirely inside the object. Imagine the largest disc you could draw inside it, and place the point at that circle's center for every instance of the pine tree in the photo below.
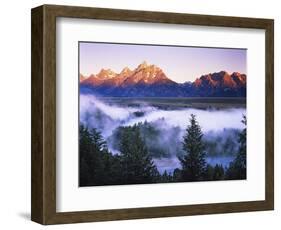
(177, 175)
(193, 163)
(85, 147)
(218, 173)
(241, 158)
(209, 173)
(136, 163)
(237, 168)
(92, 154)
(111, 169)
(166, 177)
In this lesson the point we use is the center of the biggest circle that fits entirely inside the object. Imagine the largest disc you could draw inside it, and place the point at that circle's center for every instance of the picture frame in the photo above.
(44, 112)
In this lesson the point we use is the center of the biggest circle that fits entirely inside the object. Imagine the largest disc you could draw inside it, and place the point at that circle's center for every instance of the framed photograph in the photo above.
(141, 114)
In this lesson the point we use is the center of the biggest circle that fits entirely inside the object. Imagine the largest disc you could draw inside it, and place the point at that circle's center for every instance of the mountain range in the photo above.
(150, 81)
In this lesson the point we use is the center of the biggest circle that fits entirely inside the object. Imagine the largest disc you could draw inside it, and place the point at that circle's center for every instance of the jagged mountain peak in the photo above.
(126, 70)
(147, 67)
(221, 79)
(81, 77)
(106, 74)
(143, 65)
(150, 80)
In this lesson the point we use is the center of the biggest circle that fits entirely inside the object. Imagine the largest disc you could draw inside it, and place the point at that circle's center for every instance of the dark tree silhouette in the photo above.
(218, 173)
(177, 175)
(133, 163)
(237, 168)
(97, 165)
(193, 162)
(136, 164)
(90, 146)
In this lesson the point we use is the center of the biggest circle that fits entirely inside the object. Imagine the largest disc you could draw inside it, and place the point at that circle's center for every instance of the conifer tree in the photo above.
(92, 154)
(85, 147)
(136, 163)
(237, 168)
(193, 162)
(218, 173)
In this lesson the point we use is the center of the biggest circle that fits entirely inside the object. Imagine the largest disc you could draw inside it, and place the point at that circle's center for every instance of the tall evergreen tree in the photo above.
(111, 169)
(136, 164)
(95, 162)
(193, 162)
(237, 168)
(85, 147)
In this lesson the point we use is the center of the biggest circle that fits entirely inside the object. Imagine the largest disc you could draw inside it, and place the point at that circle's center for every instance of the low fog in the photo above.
(220, 128)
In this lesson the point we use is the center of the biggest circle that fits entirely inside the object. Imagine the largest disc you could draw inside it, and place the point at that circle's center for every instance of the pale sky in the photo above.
(180, 64)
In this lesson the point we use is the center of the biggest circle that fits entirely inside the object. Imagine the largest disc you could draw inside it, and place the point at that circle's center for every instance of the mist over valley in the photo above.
(162, 128)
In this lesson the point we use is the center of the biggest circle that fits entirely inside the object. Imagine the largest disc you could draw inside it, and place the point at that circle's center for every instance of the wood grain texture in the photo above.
(37, 115)
(269, 116)
(44, 114)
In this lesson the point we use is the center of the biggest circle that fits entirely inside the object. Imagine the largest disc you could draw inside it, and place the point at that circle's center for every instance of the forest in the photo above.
(133, 164)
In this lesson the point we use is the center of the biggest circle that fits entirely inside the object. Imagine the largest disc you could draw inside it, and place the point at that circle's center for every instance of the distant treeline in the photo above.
(164, 141)
(134, 164)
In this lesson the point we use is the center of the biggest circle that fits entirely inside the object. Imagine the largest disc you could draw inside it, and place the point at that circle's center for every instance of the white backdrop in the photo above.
(15, 113)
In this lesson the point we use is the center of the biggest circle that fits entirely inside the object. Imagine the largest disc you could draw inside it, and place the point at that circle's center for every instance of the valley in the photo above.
(170, 103)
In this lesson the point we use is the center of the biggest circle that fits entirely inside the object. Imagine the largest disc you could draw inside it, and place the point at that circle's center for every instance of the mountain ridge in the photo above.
(151, 81)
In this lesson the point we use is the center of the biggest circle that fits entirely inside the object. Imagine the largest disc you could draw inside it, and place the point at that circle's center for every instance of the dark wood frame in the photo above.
(43, 199)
